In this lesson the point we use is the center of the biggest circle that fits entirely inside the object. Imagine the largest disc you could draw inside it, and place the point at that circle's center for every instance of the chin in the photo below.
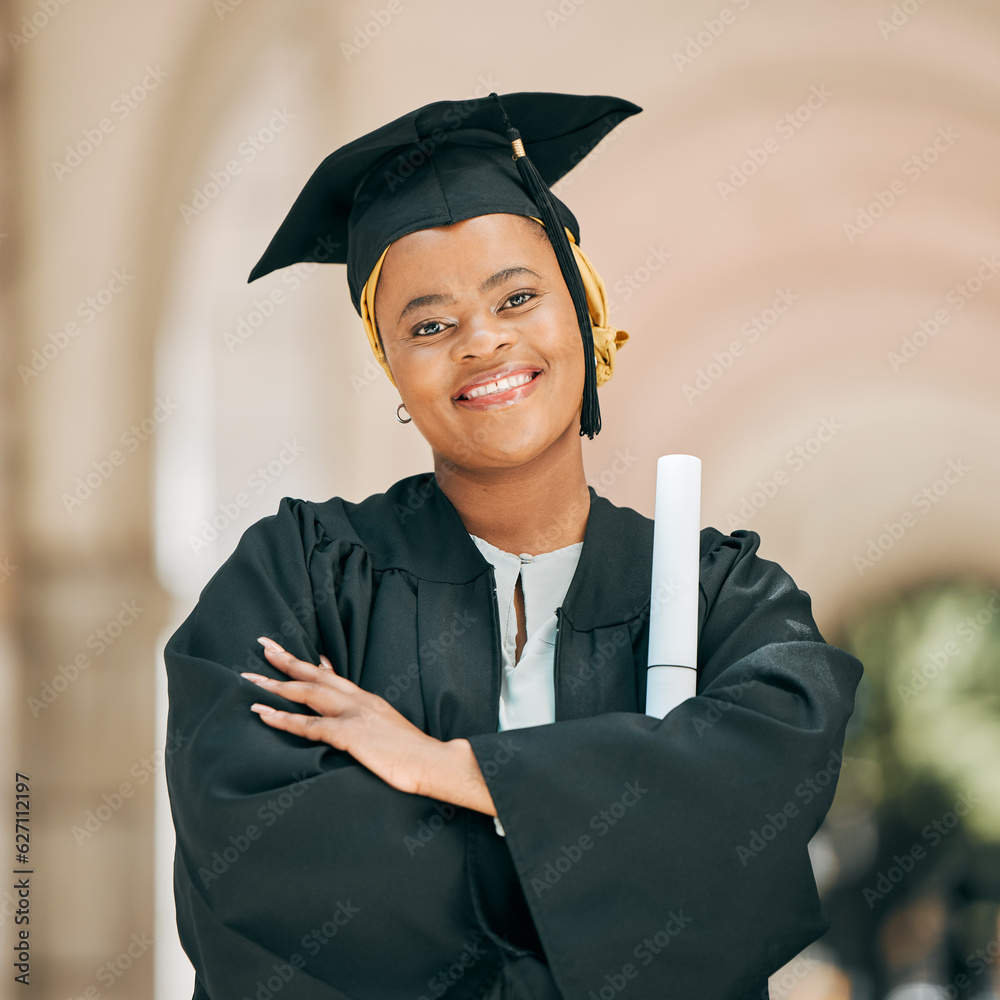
(507, 445)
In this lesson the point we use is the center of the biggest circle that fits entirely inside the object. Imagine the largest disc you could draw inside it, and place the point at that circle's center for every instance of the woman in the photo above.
(433, 776)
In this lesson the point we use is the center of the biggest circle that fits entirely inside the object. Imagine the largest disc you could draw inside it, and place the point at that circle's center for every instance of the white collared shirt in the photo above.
(527, 691)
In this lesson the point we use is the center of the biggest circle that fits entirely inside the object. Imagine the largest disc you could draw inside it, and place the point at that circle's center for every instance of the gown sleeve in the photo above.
(291, 871)
(668, 858)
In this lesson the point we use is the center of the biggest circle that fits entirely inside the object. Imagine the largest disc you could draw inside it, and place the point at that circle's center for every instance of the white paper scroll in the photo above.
(673, 608)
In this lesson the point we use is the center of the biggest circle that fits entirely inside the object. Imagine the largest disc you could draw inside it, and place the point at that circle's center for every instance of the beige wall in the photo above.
(688, 264)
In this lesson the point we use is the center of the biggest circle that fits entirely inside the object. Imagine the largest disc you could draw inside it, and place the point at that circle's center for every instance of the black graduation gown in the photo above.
(644, 857)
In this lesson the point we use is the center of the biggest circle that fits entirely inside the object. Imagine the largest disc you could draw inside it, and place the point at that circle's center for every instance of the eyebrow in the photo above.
(490, 283)
(501, 276)
(425, 300)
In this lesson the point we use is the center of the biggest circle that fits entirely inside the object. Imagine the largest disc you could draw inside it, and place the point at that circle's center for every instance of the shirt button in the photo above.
(526, 558)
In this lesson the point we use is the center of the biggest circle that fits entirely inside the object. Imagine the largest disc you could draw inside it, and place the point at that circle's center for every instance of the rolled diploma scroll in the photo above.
(673, 608)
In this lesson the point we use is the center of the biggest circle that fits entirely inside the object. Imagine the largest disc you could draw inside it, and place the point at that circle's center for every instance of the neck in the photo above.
(534, 508)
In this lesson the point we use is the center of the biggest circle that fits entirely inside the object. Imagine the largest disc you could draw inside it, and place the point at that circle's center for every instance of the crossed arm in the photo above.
(372, 731)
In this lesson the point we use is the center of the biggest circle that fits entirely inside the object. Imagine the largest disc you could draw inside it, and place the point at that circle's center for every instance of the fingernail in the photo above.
(262, 709)
(326, 663)
(256, 678)
(269, 644)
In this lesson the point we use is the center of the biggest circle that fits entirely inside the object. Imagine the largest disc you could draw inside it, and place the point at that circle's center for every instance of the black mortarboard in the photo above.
(443, 163)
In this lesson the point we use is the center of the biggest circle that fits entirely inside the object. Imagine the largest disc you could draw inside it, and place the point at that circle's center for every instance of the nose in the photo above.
(484, 334)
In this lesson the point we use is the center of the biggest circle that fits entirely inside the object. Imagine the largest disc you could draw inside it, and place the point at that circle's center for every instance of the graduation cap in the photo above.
(443, 163)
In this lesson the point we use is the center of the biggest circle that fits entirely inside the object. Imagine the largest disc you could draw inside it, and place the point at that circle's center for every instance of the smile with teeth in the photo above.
(501, 385)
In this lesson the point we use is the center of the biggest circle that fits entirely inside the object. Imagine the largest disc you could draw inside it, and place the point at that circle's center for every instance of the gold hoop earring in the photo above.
(402, 406)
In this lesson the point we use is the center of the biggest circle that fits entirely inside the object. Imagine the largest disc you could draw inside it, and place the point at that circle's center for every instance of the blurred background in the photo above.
(801, 232)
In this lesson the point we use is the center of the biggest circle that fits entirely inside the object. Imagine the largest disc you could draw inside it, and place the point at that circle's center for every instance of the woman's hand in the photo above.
(372, 731)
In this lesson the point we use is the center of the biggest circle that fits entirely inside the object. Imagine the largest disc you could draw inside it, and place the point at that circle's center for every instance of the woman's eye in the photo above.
(428, 329)
(519, 299)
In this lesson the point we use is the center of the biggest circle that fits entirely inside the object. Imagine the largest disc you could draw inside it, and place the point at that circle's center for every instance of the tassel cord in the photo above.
(590, 413)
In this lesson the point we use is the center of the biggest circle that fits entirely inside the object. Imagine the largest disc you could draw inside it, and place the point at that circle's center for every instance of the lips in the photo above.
(497, 385)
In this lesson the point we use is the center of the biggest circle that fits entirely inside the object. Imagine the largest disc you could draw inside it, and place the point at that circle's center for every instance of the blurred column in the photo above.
(77, 508)
(10, 558)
